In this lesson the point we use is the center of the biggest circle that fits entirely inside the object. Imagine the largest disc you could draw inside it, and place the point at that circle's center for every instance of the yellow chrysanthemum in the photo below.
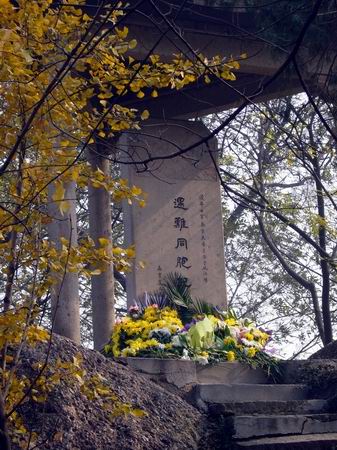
(251, 352)
(138, 330)
(229, 341)
(231, 322)
(230, 356)
(249, 337)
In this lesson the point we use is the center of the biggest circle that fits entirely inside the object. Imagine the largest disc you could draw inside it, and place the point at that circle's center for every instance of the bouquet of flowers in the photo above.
(171, 324)
(143, 332)
(224, 338)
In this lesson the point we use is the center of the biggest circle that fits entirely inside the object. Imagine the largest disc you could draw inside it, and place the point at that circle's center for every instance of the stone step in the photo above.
(247, 427)
(227, 393)
(326, 441)
(272, 407)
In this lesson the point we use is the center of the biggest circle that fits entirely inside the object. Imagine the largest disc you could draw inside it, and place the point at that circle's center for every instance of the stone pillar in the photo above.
(65, 293)
(102, 286)
(181, 228)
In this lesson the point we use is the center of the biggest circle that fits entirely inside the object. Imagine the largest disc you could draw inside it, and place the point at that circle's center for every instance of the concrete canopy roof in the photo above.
(212, 31)
(226, 31)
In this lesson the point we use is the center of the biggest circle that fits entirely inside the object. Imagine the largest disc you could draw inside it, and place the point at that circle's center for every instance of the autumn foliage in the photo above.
(63, 76)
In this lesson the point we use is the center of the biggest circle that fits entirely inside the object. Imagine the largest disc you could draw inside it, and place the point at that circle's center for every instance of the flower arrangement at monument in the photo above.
(143, 332)
(170, 324)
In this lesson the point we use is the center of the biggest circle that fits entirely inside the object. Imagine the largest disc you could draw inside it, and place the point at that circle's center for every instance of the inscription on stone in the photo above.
(182, 260)
(160, 275)
(180, 229)
(203, 237)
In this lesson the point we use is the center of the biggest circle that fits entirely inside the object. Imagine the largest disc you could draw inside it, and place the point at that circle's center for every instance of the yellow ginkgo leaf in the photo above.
(64, 207)
(95, 272)
(59, 192)
(138, 412)
(104, 242)
(145, 114)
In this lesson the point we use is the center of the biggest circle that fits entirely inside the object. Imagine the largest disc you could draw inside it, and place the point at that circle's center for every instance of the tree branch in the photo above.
(297, 277)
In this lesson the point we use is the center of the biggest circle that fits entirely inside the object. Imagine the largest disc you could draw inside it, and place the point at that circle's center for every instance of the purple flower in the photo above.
(189, 325)
(186, 327)
(272, 351)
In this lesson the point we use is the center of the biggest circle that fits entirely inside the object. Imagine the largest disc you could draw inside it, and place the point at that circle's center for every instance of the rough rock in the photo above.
(327, 352)
(320, 375)
(69, 421)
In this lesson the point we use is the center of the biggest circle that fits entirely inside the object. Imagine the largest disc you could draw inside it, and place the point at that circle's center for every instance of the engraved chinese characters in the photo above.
(180, 224)
(180, 229)
(203, 237)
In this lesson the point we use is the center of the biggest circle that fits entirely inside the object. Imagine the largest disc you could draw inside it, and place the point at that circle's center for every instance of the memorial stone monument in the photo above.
(180, 229)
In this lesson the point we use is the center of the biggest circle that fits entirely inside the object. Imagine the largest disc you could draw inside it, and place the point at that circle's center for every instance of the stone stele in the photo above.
(181, 228)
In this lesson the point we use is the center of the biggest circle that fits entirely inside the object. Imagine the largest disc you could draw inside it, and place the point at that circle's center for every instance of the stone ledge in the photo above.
(247, 392)
(174, 371)
(181, 372)
(298, 441)
(245, 427)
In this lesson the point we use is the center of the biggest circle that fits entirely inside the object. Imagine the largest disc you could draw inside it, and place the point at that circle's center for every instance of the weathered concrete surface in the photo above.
(173, 371)
(224, 393)
(244, 427)
(226, 32)
(181, 228)
(231, 372)
(182, 372)
(283, 407)
(210, 30)
(246, 415)
(299, 442)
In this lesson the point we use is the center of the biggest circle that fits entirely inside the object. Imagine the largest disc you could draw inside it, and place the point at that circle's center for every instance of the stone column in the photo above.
(102, 286)
(181, 227)
(65, 293)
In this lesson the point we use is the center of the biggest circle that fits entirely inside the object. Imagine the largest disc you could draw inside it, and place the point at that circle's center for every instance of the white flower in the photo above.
(176, 342)
(250, 343)
(185, 355)
(160, 332)
(221, 325)
(234, 332)
(203, 360)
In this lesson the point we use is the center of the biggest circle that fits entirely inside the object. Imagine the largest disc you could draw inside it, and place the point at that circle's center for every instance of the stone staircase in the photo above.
(268, 416)
(248, 410)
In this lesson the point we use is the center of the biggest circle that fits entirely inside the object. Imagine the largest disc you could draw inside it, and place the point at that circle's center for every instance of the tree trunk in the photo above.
(102, 286)
(65, 293)
(4, 438)
(325, 268)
